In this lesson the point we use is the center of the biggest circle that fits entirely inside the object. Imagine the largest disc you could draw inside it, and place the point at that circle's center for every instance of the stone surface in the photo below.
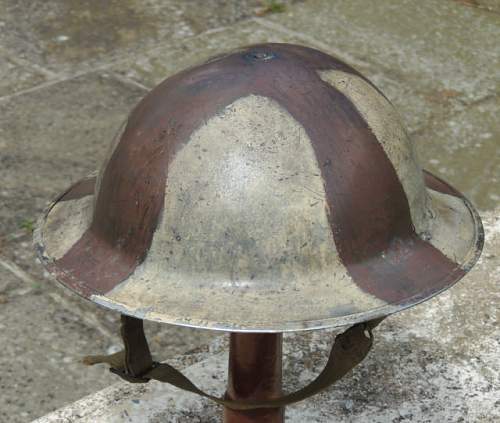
(17, 75)
(152, 67)
(492, 6)
(435, 362)
(74, 36)
(37, 355)
(55, 136)
(463, 149)
(437, 45)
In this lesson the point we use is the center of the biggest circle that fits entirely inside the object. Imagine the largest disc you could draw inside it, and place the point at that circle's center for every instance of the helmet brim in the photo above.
(456, 233)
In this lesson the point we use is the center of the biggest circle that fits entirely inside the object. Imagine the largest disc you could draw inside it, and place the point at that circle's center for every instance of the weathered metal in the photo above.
(255, 371)
(271, 176)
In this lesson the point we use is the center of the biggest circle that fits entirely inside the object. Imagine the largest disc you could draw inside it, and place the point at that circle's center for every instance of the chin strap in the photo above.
(135, 364)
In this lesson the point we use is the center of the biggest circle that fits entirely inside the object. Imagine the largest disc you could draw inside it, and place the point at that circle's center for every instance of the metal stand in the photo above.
(255, 362)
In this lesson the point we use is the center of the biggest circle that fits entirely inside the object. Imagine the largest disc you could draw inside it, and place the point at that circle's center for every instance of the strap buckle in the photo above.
(130, 378)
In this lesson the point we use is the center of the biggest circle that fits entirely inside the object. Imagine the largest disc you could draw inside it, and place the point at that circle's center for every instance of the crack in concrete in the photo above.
(17, 271)
(88, 319)
(63, 76)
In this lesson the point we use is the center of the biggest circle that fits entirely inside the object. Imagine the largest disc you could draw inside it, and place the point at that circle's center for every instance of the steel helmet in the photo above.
(267, 190)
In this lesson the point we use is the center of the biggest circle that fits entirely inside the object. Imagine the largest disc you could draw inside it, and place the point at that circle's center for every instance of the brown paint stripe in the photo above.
(368, 209)
(377, 242)
(132, 189)
(97, 253)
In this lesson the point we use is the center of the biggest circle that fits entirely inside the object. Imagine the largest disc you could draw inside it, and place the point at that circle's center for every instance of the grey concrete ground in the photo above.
(71, 70)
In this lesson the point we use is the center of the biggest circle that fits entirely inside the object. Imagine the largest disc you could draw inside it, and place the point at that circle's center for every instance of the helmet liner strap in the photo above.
(135, 364)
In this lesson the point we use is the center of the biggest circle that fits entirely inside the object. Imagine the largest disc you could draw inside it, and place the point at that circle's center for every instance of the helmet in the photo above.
(268, 190)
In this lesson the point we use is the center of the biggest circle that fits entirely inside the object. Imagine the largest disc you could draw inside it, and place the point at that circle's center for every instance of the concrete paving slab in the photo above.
(437, 362)
(16, 75)
(54, 136)
(439, 47)
(492, 6)
(39, 368)
(209, 14)
(464, 150)
(72, 36)
(151, 67)
(64, 35)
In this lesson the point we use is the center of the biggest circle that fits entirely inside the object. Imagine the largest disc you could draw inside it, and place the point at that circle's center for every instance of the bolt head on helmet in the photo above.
(271, 189)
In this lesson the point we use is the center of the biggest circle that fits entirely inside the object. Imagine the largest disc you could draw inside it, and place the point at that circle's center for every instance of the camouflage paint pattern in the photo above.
(267, 190)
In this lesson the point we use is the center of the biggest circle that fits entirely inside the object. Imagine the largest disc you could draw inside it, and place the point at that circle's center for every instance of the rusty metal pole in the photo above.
(255, 369)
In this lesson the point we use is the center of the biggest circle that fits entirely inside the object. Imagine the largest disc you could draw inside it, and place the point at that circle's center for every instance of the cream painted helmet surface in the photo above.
(270, 189)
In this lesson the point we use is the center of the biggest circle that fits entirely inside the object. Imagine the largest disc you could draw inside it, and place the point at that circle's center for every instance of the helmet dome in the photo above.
(270, 189)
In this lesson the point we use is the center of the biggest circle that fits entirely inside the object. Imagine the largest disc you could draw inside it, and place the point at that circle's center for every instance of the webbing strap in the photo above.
(135, 365)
